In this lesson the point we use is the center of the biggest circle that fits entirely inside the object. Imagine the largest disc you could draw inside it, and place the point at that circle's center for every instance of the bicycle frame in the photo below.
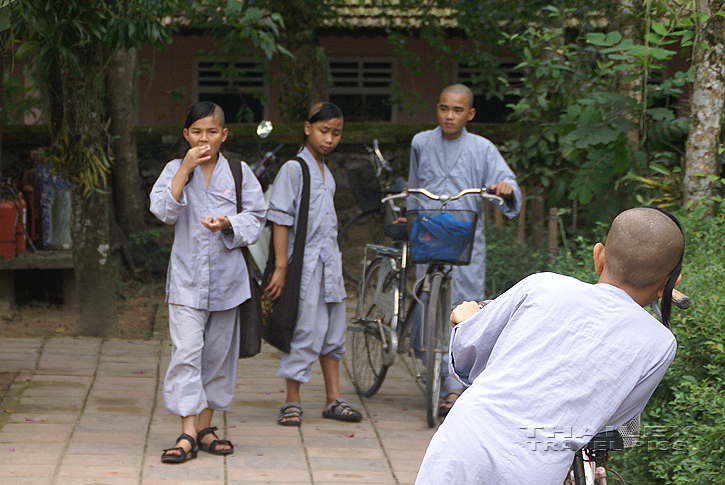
(387, 307)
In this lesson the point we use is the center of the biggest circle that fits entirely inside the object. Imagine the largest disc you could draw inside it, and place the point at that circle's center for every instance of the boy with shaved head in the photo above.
(553, 361)
(446, 160)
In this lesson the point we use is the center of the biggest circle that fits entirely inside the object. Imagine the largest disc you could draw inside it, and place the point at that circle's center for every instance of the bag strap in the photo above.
(304, 212)
(236, 169)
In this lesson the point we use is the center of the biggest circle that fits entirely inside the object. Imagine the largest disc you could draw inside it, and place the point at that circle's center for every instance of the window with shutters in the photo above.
(363, 88)
(238, 87)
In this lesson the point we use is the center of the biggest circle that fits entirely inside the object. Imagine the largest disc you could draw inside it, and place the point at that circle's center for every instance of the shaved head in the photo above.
(460, 89)
(643, 247)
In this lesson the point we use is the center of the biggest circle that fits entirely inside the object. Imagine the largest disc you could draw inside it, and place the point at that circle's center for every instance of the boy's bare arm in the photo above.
(195, 156)
(279, 277)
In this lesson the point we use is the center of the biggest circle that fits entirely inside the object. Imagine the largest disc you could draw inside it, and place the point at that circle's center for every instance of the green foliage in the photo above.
(589, 116)
(234, 22)
(684, 423)
(151, 249)
(508, 260)
(66, 42)
(17, 99)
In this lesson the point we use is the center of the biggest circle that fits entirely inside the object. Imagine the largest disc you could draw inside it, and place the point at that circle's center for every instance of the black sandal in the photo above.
(290, 415)
(183, 455)
(212, 447)
(341, 411)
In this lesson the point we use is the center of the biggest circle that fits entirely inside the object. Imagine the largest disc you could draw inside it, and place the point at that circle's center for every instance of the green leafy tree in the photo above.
(68, 40)
(597, 136)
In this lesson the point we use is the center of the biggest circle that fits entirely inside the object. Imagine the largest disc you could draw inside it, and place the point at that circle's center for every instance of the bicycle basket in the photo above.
(364, 187)
(443, 237)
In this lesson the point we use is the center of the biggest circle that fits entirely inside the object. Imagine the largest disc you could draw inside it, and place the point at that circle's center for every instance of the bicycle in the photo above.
(368, 183)
(596, 452)
(381, 328)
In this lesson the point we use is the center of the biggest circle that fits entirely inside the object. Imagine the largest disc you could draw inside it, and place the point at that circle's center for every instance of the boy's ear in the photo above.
(186, 134)
(308, 128)
(471, 113)
(225, 134)
(598, 254)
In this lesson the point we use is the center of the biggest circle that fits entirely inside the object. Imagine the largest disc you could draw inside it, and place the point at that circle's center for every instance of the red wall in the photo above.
(172, 69)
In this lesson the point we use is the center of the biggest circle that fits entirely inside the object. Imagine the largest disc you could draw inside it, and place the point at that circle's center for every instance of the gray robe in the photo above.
(206, 269)
(550, 363)
(447, 167)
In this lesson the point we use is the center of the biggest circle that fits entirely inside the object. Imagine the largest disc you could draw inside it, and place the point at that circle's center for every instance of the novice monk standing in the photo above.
(207, 278)
(320, 330)
(446, 160)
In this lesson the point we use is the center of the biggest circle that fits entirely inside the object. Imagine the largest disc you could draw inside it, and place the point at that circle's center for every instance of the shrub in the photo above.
(683, 438)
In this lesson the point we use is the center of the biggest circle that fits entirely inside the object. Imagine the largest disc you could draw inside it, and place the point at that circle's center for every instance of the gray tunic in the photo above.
(206, 269)
(447, 167)
(550, 363)
(321, 244)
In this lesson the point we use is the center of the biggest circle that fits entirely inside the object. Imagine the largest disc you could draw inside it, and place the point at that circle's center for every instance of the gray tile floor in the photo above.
(89, 411)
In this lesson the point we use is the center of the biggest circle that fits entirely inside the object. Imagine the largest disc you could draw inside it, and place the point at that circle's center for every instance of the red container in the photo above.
(29, 196)
(8, 223)
(20, 242)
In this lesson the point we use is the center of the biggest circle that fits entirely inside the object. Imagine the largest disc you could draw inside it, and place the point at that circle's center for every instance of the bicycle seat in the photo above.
(606, 441)
(397, 232)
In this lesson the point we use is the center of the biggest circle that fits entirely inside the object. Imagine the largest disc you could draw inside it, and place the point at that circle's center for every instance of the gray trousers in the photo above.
(202, 372)
(320, 331)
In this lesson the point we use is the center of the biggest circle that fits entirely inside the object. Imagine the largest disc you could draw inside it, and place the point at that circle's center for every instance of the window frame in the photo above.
(360, 78)
(262, 67)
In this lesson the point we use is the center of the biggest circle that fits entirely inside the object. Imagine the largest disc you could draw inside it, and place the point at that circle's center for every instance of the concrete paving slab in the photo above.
(91, 411)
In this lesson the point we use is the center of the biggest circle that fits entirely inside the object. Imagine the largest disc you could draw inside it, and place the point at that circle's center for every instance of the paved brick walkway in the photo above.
(89, 411)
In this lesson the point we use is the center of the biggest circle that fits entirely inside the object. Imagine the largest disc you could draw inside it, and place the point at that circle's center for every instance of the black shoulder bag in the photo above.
(280, 320)
(250, 312)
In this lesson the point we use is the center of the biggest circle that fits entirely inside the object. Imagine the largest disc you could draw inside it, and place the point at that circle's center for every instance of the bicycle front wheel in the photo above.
(436, 345)
(369, 348)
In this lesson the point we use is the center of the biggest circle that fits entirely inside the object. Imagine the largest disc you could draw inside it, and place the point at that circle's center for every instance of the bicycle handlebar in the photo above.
(681, 300)
(444, 198)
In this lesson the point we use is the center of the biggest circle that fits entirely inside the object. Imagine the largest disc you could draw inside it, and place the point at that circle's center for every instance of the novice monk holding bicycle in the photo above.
(553, 361)
(447, 160)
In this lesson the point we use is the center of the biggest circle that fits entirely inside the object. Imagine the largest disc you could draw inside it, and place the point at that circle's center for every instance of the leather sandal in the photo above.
(213, 446)
(183, 455)
(290, 415)
(446, 404)
(341, 411)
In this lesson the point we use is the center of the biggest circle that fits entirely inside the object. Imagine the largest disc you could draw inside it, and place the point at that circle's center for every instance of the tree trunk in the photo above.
(129, 205)
(83, 124)
(626, 24)
(303, 80)
(706, 105)
(94, 271)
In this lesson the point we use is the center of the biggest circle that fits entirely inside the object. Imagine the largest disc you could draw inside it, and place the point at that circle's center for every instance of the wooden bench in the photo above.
(40, 260)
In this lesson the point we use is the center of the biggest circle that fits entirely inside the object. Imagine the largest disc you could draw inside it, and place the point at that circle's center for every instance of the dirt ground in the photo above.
(136, 304)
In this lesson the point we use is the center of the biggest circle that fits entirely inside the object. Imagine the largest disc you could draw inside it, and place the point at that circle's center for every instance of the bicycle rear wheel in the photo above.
(436, 345)
(369, 347)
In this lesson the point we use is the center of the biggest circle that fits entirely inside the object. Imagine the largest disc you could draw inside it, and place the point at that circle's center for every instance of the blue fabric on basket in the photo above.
(440, 237)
